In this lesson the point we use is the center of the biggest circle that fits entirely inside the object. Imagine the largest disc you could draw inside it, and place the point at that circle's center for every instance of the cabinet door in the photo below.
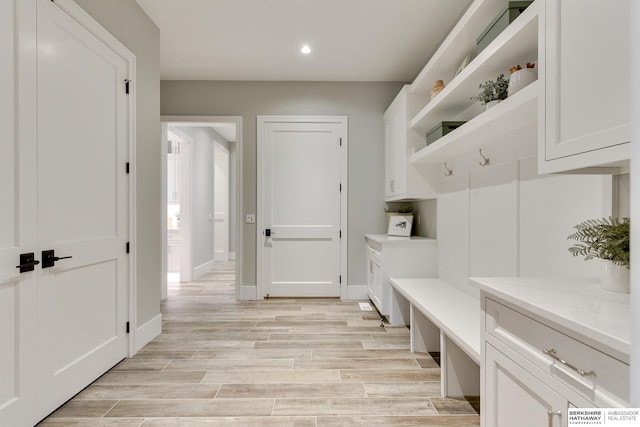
(391, 125)
(374, 281)
(173, 179)
(586, 78)
(515, 397)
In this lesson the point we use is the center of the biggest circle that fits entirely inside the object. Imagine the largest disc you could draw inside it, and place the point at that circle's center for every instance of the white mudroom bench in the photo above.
(443, 318)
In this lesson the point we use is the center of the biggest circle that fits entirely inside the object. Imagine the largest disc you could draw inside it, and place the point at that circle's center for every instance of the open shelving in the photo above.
(517, 44)
(518, 111)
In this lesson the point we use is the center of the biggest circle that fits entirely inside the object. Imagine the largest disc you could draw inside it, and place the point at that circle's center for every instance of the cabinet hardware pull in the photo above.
(551, 414)
(449, 172)
(552, 353)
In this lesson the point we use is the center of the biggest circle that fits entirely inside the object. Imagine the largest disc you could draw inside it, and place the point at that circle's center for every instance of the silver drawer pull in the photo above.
(552, 414)
(552, 353)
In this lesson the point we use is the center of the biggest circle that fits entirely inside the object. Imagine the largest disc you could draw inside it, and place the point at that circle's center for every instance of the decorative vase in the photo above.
(521, 78)
(437, 88)
(615, 278)
(493, 103)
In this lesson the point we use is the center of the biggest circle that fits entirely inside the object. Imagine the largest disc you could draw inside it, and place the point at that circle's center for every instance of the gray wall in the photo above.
(133, 28)
(363, 103)
(202, 194)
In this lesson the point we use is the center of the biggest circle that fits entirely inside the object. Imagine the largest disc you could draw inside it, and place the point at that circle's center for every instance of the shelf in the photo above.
(460, 42)
(516, 112)
(517, 44)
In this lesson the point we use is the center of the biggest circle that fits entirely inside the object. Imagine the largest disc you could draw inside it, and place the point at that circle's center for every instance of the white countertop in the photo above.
(579, 305)
(391, 241)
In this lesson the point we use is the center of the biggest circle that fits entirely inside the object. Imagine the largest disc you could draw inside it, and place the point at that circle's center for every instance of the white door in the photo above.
(221, 202)
(82, 206)
(17, 234)
(301, 196)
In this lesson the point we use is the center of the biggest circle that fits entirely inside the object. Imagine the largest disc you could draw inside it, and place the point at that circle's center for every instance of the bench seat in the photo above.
(445, 319)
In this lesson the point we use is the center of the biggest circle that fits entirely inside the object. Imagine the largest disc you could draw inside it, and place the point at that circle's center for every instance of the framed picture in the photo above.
(400, 225)
(463, 64)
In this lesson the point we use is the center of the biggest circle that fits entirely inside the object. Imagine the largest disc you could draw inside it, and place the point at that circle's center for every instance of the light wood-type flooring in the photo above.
(281, 362)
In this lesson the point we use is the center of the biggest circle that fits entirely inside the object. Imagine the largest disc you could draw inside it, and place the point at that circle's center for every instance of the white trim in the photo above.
(261, 121)
(249, 293)
(164, 268)
(237, 120)
(76, 12)
(232, 256)
(147, 332)
(357, 292)
(201, 270)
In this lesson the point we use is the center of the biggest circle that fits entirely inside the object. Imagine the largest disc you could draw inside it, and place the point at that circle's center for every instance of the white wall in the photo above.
(635, 205)
(506, 220)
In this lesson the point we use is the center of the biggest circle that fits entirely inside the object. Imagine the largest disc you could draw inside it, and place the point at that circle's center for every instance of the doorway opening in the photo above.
(201, 197)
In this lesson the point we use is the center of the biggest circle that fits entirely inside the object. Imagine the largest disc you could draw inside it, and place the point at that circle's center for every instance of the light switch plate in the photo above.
(250, 219)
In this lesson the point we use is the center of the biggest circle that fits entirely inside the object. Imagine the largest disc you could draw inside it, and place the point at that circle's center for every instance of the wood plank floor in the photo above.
(294, 362)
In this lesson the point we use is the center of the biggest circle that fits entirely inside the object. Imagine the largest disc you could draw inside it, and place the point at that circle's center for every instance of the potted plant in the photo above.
(607, 239)
(493, 91)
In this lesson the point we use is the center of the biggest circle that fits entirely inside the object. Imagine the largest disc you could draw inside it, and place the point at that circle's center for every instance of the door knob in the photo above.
(27, 262)
(49, 258)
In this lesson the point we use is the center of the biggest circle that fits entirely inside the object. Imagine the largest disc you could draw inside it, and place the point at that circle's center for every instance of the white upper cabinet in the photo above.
(402, 180)
(585, 76)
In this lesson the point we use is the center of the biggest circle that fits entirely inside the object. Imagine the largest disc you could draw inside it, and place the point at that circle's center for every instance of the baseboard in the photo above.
(232, 256)
(248, 293)
(201, 270)
(357, 292)
(147, 332)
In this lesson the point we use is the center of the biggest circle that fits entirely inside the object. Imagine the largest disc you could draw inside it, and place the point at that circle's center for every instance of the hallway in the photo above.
(302, 362)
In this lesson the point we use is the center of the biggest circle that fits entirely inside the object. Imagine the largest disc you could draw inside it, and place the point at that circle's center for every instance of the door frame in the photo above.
(87, 21)
(219, 146)
(206, 121)
(262, 121)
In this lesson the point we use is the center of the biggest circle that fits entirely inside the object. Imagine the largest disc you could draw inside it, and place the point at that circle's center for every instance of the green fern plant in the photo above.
(606, 238)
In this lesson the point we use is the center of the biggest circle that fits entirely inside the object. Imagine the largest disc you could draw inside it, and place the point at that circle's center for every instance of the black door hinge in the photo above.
(340, 142)
(340, 234)
(340, 279)
(126, 86)
(127, 327)
(127, 168)
(127, 247)
(341, 188)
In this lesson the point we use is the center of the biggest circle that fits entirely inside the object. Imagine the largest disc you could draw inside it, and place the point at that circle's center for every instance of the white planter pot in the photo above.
(522, 78)
(615, 278)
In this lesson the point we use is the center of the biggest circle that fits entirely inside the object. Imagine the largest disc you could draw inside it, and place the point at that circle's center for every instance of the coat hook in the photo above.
(485, 161)
(449, 172)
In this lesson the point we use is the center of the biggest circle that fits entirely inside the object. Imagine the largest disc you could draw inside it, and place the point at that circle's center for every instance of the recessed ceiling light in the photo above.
(306, 49)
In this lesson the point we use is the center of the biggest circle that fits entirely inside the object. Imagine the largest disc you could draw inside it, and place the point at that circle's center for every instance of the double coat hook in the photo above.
(449, 172)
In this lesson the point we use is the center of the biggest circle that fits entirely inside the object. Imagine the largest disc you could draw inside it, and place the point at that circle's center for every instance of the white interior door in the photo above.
(82, 205)
(300, 206)
(221, 202)
(17, 234)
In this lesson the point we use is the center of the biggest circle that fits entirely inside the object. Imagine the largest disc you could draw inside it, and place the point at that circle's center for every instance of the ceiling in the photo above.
(351, 40)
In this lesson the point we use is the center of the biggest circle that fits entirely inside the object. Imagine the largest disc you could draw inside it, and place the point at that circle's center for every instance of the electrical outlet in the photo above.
(250, 219)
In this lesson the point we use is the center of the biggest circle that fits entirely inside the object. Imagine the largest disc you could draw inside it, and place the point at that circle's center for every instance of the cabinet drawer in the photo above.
(606, 379)
(373, 255)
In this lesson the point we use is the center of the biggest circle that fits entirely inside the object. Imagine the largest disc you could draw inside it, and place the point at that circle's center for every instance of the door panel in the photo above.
(17, 235)
(302, 208)
(82, 205)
